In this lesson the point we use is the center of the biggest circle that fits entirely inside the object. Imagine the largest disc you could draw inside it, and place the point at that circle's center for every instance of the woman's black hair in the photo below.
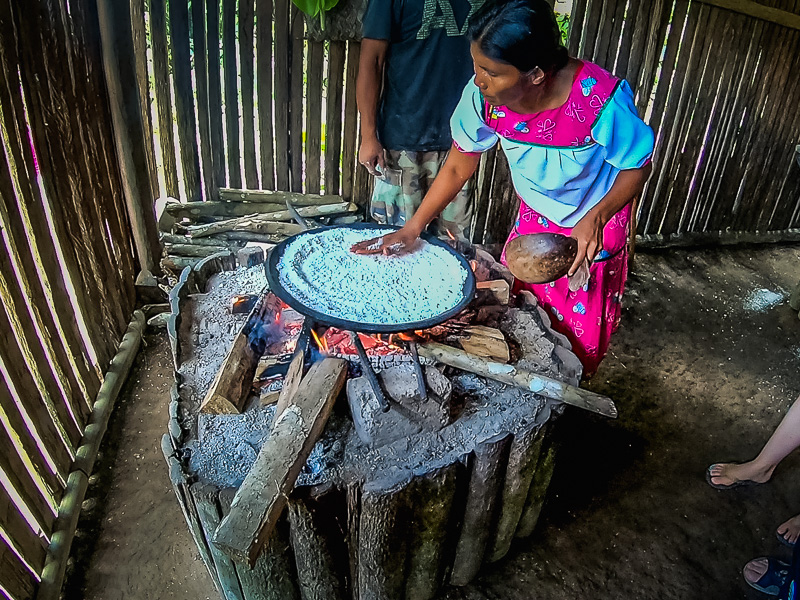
(522, 33)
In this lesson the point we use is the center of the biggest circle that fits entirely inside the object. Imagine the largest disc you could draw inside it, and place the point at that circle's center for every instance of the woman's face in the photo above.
(500, 83)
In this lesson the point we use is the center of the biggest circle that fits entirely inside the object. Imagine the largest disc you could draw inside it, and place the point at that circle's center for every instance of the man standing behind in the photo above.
(413, 65)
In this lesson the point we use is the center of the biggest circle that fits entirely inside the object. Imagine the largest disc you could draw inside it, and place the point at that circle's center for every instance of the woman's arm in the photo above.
(589, 230)
(368, 95)
(458, 167)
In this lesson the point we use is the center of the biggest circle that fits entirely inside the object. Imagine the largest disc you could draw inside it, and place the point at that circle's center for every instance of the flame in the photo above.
(450, 235)
(474, 265)
(321, 343)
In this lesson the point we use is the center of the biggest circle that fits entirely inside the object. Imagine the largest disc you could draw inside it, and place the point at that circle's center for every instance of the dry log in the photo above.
(268, 197)
(192, 250)
(271, 202)
(487, 342)
(232, 383)
(538, 490)
(169, 238)
(319, 548)
(382, 544)
(499, 289)
(264, 223)
(263, 495)
(522, 461)
(487, 468)
(511, 375)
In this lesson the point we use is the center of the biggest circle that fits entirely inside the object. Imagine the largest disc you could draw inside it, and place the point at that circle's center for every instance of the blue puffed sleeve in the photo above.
(470, 131)
(628, 141)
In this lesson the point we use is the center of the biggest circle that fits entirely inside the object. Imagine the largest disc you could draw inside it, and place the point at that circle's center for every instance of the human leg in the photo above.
(789, 531)
(783, 440)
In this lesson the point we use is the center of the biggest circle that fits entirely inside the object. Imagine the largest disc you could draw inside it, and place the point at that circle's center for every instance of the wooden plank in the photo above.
(246, 55)
(24, 483)
(36, 253)
(333, 126)
(660, 11)
(594, 10)
(483, 191)
(163, 94)
(17, 579)
(143, 80)
(264, 25)
(350, 135)
(14, 420)
(130, 138)
(601, 42)
(54, 122)
(282, 97)
(640, 32)
(576, 26)
(210, 186)
(32, 204)
(32, 547)
(759, 11)
(34, 401)
(296, 102)
(231, 93)
(615, 35)
(215, 92)
(263, 495)
(626, 40)
(47, 374)
(39, 311)
(313, 116)
(184, 98)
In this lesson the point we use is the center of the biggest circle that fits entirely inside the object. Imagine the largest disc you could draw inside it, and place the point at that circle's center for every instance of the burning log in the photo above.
(234, 379)
(294, 375)
(265, 223)
(262, 497)
(486, 342)
(510, 375)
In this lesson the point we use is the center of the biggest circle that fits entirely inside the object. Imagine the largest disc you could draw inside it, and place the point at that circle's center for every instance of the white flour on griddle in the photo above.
(320, 271)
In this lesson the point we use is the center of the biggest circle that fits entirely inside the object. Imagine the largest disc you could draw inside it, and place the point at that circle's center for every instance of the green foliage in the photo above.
(316, 7)
(563, 24)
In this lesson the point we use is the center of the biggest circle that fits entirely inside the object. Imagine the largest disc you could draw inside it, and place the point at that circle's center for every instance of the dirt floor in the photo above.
(702, 369)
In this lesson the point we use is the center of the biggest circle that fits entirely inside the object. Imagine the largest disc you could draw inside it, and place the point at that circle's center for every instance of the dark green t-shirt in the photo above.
(427, 66)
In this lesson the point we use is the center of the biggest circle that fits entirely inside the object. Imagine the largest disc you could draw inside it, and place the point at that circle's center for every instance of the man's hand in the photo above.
(371, 154)
(589, 233)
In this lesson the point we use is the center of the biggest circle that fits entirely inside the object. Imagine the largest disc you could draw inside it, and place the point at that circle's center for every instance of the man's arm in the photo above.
(368, 95)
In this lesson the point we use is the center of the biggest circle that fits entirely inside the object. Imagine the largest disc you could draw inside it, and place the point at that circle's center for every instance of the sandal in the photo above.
(730, 486)
(773, 579)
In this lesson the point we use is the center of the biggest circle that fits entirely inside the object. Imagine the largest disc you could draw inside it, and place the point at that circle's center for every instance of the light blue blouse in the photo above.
(561, 182)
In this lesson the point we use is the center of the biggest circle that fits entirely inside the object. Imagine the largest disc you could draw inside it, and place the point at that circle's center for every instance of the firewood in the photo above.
(231, 386)
(264, 493)
(499, 289)
(193, 250)
(511, 375)
(263, 223)
(170, 238)
(486, 342)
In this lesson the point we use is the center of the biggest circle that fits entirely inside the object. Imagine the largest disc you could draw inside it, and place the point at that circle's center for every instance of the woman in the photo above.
(578, 155)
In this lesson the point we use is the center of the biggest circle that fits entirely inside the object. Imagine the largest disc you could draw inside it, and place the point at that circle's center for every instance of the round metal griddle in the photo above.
(275, 256)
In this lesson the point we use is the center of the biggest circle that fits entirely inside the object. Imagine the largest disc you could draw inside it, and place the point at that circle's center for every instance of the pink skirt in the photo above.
(589, 316)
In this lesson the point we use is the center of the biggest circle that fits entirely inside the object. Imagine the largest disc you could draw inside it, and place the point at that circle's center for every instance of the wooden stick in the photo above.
(265, 202)
(264, 492)
(258, 222)
(486, 342)
(508, 374)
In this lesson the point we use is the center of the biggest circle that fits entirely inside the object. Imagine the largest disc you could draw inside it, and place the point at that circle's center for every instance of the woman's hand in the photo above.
(398, 242)
(589, 233)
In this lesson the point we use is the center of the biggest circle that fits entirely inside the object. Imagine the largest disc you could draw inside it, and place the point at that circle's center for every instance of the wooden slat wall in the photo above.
(67, 263)
(713, 83)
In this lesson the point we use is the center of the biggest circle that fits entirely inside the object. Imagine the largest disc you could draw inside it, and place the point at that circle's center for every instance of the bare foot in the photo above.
(727, 474)
(790, 530)
(755, 569)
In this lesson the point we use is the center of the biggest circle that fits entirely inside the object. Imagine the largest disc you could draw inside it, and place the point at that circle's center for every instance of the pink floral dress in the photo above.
(563, 162)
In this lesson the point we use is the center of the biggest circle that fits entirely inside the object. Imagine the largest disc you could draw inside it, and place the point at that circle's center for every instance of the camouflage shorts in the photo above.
(392, 203)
